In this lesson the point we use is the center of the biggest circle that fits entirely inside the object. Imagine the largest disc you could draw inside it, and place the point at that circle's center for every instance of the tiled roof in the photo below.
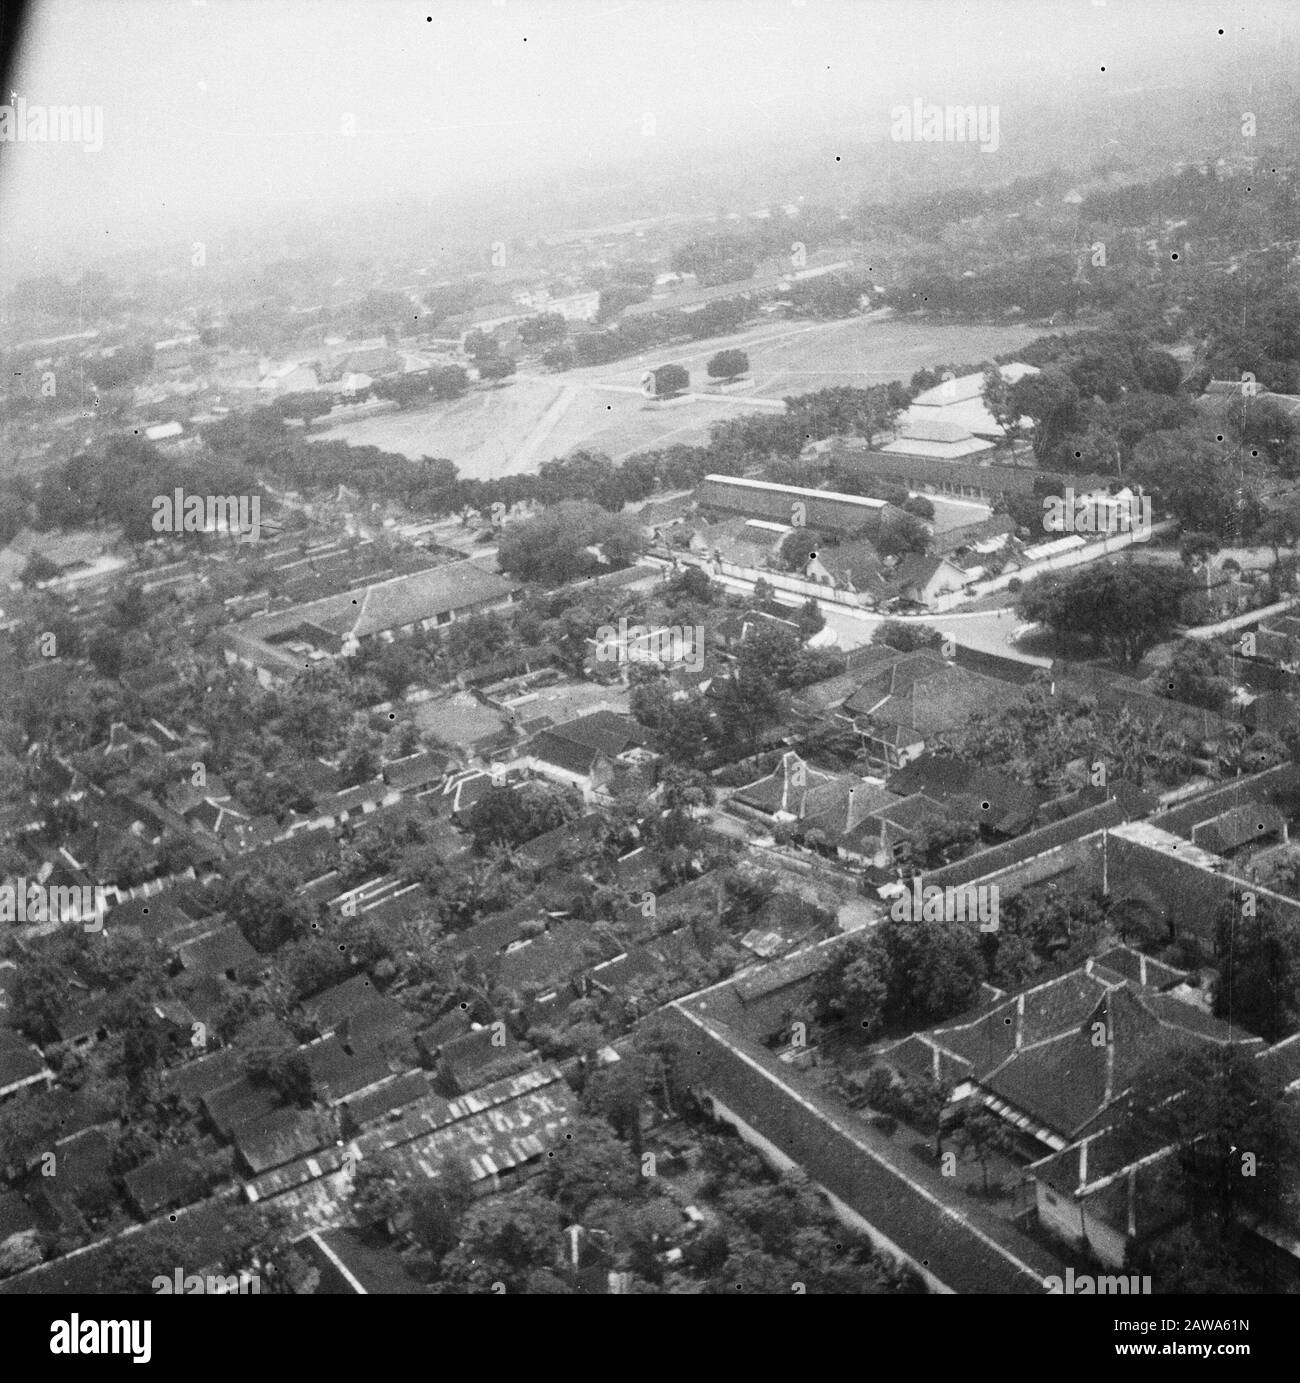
(965, 1252)
(788, 788)
(851, 804)
(822, 509)
(331, 1006)
(1272, 784)
(338, 1073)
(240, 1102)
(391, 604)
(472, 1053)
(994, 798)
(391, 1095)
(624, 971)
(1142, 969)
(558, 750)
(1039, 1049)
(175, 1178)
(1237, 826)
(986, 862)
(225, 949)
(548, 848)
(19, 1060)
(281, 1137)
(1067, 1080)
(546, 959)
(954, 539)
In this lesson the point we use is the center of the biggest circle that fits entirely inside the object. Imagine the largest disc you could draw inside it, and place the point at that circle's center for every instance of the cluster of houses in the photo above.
(1031, 1057)
(739, 527)
(382, 1076)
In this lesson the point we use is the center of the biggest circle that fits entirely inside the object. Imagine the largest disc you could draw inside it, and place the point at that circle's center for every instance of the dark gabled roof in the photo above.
(388, 1097)
(791, 787)
(556, 749)
(338, 1073)
(209, 1073)
(155, 917)
(917, 569)
(19, 1060)
(471, 1054)
(624, 971)
(989, 797)
(240, 1102)
(417, 770)
(509, 665)
(952, 540)
(985, 862)
(222, 950)
(1141, 969)
(304, 851)
(705, 891)
(84, 1017)
(779, 974)
(606, 730)
(16, 1215)
(274, 1139)
(908, 812)
(841, 814)
(637, 869)
(823, 509)
(1064, 1082)
(377, 1269)
(1272, 785)
(1238, 826)
(390, 604)
(821, 697)
(354, 799)
(466, 789)
(894, 674)
(493, 934)
(1120, 694)
(925, 696)
(380, 1025)
(1037, 1050)
(547, 848)
(332, 1006)
(546, 959)
(175, 1178)
(918, 1055)
(443, 1029)
(1136, 801)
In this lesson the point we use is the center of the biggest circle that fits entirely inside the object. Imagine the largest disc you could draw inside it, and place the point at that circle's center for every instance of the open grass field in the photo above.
(515, 427)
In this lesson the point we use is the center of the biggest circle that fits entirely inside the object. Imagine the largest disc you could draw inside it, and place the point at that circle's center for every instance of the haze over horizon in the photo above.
(221, 116)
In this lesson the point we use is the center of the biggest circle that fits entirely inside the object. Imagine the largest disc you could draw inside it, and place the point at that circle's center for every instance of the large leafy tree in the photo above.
(1121, 608)
(553, 547)
(903, 973)
(1259, 969)
(1051, 399)
(1209, 489)
(1233, 1159)
(505, 1240)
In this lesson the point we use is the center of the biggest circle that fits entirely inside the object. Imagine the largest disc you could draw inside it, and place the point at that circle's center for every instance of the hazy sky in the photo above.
(231, 109)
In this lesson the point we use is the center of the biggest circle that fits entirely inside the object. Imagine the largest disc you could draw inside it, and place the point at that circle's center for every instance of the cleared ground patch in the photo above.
(514, 428)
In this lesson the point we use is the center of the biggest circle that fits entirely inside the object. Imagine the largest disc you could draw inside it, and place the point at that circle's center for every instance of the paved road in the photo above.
(985, 630)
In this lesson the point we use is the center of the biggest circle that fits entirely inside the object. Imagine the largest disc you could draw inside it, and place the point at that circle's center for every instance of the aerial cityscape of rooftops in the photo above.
(650, 648)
